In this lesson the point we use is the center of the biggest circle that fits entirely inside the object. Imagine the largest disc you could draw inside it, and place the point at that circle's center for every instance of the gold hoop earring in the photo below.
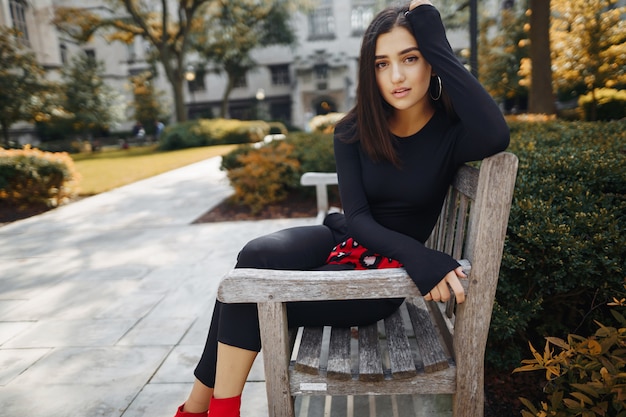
(440, 89)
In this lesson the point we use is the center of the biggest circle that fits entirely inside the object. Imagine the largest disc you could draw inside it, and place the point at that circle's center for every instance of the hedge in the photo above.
(33, 177)
(566, 247)
(205, 132)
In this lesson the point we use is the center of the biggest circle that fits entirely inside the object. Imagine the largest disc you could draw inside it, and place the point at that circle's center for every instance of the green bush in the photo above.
(610, 104)
(314, 151)
(565, 248)
(205, 132)
(69, 146)
(30, 177)
(231, 160)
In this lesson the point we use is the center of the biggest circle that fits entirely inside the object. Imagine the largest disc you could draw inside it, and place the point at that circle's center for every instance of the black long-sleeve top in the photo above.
(393, 210)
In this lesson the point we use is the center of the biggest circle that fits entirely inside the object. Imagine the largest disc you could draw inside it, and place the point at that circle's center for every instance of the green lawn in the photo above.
(108, 169)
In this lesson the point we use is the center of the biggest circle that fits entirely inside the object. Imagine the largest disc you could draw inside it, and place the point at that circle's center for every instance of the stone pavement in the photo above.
(105, 303)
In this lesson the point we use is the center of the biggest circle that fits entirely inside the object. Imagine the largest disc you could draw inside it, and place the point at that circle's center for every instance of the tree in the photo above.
(166, 30)
(501, 56)
(92, 104)
(20, 82)
(234, 28)
(148, 103)
(588, 45)
(454, 13)
(541, 96)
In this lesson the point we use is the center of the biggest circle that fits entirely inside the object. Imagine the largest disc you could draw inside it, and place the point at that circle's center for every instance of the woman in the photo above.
(419, 115)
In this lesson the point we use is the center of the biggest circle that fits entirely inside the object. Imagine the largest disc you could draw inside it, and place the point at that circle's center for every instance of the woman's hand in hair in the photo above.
(415, 3)
(441, 292)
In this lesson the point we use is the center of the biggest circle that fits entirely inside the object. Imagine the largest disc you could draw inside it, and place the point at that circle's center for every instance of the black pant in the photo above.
(299, 248)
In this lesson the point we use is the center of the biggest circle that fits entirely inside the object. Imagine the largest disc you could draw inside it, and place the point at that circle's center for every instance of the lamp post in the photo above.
(260, 97)
(190, 76)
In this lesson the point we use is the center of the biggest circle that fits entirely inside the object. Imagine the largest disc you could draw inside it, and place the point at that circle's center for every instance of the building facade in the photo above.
(291, 84)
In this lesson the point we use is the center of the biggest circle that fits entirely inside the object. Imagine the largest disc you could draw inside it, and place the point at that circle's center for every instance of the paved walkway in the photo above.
(105, 303)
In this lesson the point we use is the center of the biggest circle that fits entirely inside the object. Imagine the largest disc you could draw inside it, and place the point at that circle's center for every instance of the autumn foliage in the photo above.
(259, 180)
(586, 376)
(33, 177)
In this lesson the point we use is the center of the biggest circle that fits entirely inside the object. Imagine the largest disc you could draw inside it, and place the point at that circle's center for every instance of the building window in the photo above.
(18, 16)
(91, 54)
(280, 75)
(63, 51)
(361, 15)
(321, 72)
(195, 80)
(281, 109)
(240, 82)
(130, 53)
(322, 21)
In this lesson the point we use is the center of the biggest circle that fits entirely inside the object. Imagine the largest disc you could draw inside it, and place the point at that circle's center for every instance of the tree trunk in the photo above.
(175, 73)
(179, 100)
(229, 87)
(541, 97)
(593, 114)
(5, 134)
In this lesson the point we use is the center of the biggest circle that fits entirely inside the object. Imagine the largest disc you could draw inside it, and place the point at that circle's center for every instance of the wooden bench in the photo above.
(426, 347)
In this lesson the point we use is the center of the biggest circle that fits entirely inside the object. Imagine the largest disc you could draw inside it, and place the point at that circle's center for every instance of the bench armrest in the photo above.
(286, 285)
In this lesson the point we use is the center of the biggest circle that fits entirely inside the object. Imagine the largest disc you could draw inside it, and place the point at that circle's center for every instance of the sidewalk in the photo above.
(105, 303)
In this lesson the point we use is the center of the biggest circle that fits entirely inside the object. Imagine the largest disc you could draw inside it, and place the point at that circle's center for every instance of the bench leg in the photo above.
(469, 399)
(276, 357)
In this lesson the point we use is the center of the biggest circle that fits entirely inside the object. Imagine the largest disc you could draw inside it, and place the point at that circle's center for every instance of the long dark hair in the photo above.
(368, 120)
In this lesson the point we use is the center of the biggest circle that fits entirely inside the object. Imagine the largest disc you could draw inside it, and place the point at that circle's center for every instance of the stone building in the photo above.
(318, 76)
(290, 84)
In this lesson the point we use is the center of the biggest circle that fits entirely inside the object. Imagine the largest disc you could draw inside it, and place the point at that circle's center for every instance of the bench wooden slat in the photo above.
(339, 354)
(400, 356)
(461, 226)
(306, 384)
(426, 337)
(445, 324)
(370, 363)
(310, 350)
(452, 214)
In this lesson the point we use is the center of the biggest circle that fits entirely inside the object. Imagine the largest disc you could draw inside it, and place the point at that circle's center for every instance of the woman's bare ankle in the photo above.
(194, 407)
(199, 398)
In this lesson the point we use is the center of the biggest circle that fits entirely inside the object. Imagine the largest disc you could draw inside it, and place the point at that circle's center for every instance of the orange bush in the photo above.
(33, 177)
(260, 179)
